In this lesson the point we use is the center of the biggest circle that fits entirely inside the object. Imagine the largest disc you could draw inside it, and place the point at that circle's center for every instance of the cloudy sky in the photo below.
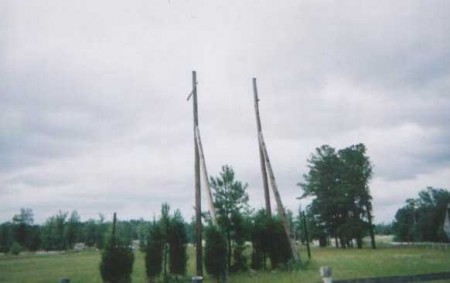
(94, 117)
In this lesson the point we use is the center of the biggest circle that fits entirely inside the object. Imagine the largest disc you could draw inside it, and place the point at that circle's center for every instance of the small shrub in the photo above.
(154, 252)
(177, 243)
(15, 248)
(117, 263)
(240, 261)
(280, 250)
(215, 253)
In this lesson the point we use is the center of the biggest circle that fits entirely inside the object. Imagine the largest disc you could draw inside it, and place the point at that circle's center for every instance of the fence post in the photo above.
(325, 272)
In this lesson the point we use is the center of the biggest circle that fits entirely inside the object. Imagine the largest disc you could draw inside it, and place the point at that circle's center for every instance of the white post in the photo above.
(325, 272)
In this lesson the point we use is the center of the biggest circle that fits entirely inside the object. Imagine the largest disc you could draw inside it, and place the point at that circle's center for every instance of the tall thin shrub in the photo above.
(215, 253)
(154, 251)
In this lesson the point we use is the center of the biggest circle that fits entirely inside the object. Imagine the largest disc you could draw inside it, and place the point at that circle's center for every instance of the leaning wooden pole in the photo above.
(280, 206)
(206, 185)
(198, 203)
(261, 154)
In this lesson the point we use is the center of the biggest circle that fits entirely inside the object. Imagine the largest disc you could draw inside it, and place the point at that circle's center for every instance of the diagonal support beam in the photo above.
(205, 178)
(261, 154)
(281, 210)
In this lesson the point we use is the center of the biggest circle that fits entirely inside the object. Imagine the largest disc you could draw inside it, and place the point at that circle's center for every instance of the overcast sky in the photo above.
(94, 117)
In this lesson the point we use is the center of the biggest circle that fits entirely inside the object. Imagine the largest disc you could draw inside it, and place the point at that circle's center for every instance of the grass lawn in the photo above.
(346, 264)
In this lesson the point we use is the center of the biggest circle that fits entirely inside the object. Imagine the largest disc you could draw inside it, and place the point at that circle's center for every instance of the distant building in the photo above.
(79, 246)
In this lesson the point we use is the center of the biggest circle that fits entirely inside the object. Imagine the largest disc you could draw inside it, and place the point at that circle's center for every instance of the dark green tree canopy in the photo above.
(338, 181)
(231, 203)
(229, 194)
(422, 219)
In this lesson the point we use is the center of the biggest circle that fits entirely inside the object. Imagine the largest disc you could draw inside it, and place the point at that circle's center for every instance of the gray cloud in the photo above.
(94, 117)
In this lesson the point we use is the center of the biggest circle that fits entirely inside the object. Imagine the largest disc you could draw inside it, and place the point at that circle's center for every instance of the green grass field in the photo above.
(346, 264)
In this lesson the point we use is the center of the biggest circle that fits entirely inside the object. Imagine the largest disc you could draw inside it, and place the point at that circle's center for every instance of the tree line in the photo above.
(422, 219)
(339, 213)
(62, 230)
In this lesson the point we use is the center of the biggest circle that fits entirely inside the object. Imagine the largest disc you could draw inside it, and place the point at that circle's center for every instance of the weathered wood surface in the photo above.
(198, 203)
(281, 210)
(261, 153)
(205, 178)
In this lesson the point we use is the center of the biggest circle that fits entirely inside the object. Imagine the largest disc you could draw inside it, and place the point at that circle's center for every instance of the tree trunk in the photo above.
(359, 242)
(342, 243)
(372, 235)
(229, 249)
(165, 260)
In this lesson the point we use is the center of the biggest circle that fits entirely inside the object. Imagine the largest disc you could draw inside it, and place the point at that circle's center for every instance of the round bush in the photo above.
(15, 249)
(117, 264)
(215, 252)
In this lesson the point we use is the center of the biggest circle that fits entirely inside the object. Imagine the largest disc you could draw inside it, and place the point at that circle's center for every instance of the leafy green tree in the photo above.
(166, 245)
(22, 223)
(72, 229)
(231, 202)
(422, 219)
(240, 226)
(432, 207)
(404, 223)
(90, 232)
(322, 182)
(16, 248)
(356, 171)
(269, 241)
(25, 216)
(384, 229)
(33, 242)
(339, 182)
(215, 253)
(53, 232)
(125, 232)
(261, 239)
(6, 236)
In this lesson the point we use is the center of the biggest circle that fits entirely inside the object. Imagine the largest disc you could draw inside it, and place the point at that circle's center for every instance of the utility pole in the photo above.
(261, 153)
(198, 203)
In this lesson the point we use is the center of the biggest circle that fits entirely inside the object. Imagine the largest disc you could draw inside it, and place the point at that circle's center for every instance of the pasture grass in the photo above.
(346, 264)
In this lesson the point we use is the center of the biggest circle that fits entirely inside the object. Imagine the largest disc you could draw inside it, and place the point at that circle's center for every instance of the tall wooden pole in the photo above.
(281, 211)
(198, 203)
(261, 154)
